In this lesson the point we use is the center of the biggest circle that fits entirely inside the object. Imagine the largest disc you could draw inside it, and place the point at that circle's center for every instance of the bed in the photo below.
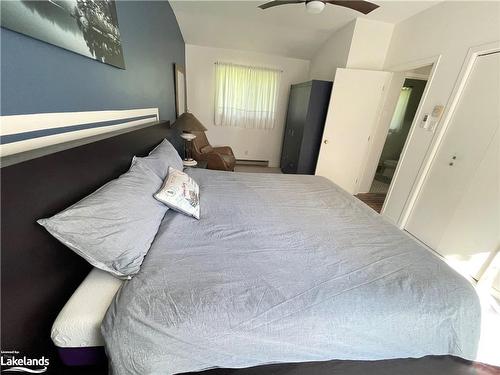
(278, 269)
(38, 273)
(284, 268)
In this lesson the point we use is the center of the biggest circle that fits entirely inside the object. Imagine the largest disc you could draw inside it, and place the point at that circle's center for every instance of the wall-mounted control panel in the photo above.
(429, 121)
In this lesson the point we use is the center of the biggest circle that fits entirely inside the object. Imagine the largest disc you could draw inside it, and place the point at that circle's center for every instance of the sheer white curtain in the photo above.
(400, 111)
(245, 96)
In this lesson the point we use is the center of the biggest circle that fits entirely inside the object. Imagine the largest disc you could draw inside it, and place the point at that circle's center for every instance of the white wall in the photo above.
(333, 54)
(249, 144)
(361, 44)
(448, 30)
(496, 284)
(370, 44)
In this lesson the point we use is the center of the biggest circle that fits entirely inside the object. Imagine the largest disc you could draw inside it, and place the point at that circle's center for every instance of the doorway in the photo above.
(399, 128)
(407, 95)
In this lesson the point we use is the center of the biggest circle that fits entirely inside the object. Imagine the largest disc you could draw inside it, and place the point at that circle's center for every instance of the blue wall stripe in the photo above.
(66, 129)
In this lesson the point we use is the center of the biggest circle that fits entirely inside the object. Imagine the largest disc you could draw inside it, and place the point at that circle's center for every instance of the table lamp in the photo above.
(188, 123)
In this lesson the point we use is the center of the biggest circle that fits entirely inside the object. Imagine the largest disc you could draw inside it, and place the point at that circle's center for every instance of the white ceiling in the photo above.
(286, 30)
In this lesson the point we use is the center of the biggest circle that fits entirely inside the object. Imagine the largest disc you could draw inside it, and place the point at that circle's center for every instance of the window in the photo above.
(245, 96)
(400, 111)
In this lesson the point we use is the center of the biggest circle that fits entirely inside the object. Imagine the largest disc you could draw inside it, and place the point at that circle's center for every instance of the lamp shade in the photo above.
(189, 123)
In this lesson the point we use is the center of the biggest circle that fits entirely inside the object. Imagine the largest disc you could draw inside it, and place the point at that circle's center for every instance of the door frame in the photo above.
(382, 128)
(401, 68)
(473, 53)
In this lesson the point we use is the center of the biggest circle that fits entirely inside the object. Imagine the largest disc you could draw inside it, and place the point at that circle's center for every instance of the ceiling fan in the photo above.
(317, 6)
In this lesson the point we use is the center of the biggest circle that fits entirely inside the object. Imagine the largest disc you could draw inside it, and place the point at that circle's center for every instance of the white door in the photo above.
(457, 212)
(354, 111)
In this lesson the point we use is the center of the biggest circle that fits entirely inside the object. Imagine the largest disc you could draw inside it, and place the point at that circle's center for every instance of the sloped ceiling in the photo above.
(287, 30)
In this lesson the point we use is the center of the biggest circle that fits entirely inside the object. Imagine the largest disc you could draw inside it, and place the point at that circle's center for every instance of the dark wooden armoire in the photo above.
(307, 109)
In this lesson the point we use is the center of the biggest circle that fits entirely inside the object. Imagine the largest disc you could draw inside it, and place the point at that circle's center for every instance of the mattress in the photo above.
(78, 324)
(284, 268)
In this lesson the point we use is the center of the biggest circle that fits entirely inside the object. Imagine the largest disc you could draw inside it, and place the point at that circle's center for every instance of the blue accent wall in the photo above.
(37, 77)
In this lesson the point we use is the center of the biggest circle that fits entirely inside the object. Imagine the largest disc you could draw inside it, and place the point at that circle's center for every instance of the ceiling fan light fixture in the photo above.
(315, 6)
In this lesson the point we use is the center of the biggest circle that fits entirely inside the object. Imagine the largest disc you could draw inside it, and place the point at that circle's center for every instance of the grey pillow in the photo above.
(163, 156)
(113, 227)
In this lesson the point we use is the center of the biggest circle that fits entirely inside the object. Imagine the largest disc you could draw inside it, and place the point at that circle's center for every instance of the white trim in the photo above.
(19, 124)
(417, 76)
(434, 61)
(34, 143)
(431, 60)
(489, 273)
(469, 278)
(472, 55)
(24, 123)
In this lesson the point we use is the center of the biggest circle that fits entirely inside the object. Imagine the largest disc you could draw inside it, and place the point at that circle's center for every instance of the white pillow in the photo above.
(180, 193)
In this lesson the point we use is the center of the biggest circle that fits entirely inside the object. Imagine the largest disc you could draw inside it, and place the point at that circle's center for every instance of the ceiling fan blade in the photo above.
(280, 2)
(364, 7)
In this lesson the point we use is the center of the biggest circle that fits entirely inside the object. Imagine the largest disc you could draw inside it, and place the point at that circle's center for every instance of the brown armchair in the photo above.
(221, 158)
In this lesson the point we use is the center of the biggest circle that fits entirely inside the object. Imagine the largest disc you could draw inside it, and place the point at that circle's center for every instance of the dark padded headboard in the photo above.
(39, 274)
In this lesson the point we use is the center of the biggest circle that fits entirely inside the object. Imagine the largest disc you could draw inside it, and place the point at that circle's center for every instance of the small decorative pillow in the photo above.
(180, 193)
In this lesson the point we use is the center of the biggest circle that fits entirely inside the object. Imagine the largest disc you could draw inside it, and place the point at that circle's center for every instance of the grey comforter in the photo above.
(284, 268)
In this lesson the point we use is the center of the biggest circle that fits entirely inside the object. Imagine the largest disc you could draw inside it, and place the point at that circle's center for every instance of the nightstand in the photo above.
(200, 164)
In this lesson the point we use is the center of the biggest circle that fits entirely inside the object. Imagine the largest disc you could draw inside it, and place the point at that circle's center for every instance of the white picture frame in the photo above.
(180, 90)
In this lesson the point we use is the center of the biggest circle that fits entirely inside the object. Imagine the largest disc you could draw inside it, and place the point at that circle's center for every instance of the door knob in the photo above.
(325, 141)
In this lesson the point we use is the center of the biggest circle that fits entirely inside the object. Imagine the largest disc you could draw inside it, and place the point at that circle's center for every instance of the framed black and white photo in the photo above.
(86, 27)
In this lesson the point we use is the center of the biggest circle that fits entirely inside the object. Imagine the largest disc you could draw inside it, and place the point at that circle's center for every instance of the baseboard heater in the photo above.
(260, 163)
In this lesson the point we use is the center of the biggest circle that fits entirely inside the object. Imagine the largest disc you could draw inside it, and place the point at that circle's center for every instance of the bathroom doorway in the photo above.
(408, 101)
(399, 128)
